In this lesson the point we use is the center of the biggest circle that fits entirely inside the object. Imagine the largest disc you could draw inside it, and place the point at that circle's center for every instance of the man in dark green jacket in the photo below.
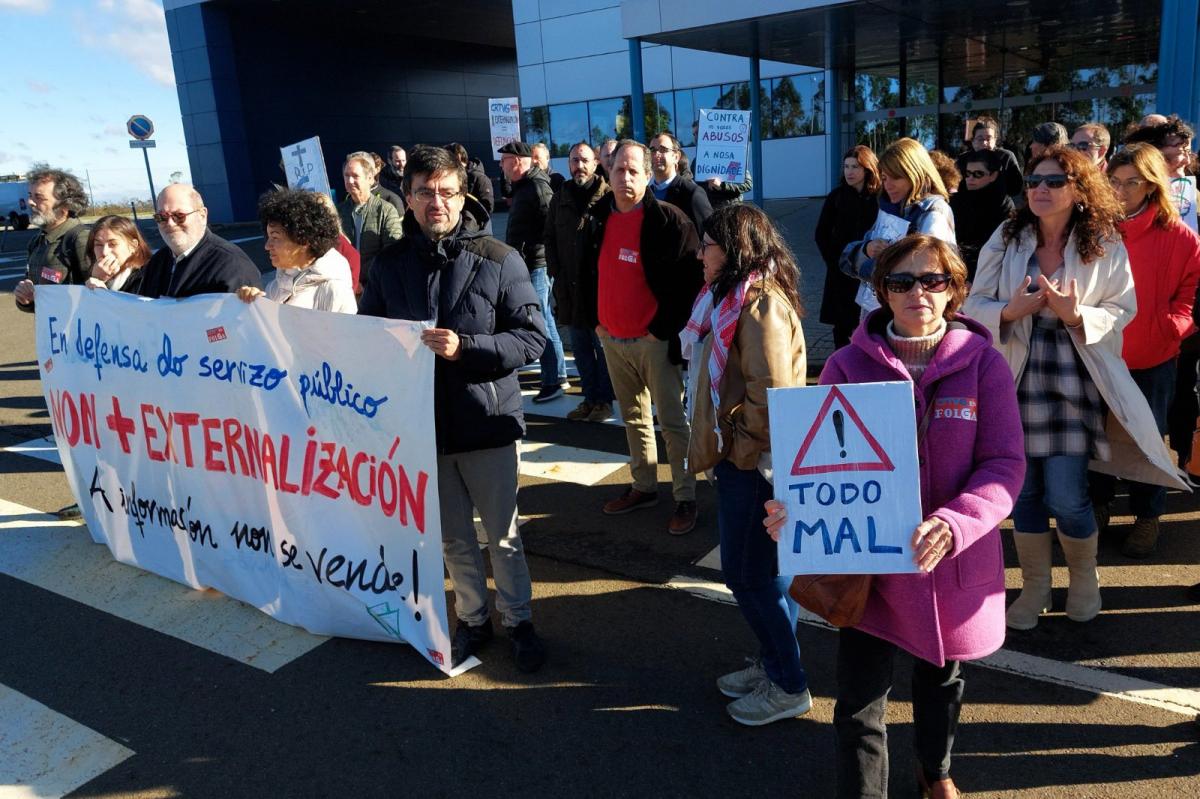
(369, 222)
(58, 253)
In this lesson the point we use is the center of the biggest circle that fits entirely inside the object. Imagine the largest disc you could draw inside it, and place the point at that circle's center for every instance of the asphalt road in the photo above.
(103, 692)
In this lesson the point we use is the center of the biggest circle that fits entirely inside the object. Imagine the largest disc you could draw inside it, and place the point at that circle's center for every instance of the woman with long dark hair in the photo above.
(744, 337)
(1055, 288)
(848, 213)
(116, 252)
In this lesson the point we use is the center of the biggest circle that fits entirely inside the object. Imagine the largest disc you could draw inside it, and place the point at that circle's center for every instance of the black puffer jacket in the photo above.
(479, 185)
(674, 275)
(531, 197)
(478, 287)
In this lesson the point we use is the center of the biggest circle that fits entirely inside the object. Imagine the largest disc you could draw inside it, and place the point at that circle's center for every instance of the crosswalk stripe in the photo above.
(60, 557)
(568, 464)
(1071, 675)
(45, 754)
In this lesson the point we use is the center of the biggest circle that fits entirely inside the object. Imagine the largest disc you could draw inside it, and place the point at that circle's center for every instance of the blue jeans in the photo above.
(1145, 501)
(1055, 486)
(748, 560)
(593, 369)
(554, 365)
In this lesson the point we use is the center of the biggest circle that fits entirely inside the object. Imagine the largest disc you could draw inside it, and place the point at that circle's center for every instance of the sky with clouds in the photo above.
(75, 71)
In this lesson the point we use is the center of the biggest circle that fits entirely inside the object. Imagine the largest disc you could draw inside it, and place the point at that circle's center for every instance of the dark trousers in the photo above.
(842, 330)
(1145, 501)
(1181, 418)
(750, 565)
(864, 676)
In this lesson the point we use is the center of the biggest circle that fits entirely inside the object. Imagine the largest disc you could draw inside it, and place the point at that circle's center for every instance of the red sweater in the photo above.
(625, 304)
(1166, 268)
(351, 255)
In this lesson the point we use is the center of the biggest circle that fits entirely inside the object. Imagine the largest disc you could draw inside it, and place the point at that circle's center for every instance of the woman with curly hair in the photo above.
(301, 237)
(1055, 287)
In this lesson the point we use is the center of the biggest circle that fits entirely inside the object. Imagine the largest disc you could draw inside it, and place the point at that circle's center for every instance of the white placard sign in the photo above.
(845, 465)
(305, 165)
(282, 456)
(504, 117)
(1183, 193)
(721, 145)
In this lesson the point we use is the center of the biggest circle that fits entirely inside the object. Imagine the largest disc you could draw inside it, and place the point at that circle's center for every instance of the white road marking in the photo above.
(568, 464)
(1070, 675)
(712, 560)
(45, 754)
(61, 557)
(42, 448)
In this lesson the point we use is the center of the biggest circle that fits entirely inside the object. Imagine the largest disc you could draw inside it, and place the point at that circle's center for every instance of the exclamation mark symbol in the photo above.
(839, 427)
(416, 583)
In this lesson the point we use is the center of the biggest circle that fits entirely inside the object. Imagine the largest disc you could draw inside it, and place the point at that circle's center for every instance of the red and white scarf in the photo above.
(720, 320)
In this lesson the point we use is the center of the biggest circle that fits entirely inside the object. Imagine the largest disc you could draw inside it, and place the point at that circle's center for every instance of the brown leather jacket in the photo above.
(767, 352)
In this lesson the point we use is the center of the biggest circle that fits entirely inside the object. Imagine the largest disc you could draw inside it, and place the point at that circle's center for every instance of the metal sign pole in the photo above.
(153, 194)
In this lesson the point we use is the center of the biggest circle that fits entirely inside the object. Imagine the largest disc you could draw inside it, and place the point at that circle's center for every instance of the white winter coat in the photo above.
(324, 286)
(1106, 303)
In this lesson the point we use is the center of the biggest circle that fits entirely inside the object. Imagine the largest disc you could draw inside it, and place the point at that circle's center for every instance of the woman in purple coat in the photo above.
(972, 463)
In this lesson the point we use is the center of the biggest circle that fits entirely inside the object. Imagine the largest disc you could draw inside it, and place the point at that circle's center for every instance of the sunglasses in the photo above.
(178, 217)
(902, 283)
(1051, 181)
(977, 174)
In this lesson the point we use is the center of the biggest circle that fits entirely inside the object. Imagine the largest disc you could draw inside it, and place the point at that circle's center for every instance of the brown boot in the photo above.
(1083, 591)
(1033, 553)
(1142, 542)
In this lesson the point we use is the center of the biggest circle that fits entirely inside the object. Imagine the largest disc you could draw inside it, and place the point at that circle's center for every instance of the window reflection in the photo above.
(568, 125)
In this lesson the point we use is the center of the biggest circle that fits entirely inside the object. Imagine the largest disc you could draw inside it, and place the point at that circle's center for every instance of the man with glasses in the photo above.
(488, 324)
(985, 136)
(638, 268)
(195, 260)
(57, 255)
(1092, 140)
(980, 207)
(670, 186)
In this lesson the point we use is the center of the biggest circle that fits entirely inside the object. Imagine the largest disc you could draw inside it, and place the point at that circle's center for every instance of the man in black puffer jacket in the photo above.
(488, 323)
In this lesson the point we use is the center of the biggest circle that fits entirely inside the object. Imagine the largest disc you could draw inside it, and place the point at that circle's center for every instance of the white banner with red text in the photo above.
(282, 456)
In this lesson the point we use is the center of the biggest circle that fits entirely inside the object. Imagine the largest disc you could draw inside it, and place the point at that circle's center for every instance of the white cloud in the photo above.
(135, 30)
(38, 86)
(32, 6)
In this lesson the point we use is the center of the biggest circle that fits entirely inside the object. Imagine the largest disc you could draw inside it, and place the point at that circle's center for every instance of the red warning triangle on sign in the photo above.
(883, 464)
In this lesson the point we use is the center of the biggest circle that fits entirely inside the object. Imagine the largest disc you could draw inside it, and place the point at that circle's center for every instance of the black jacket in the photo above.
(214, 267)
(977, 214)
(478, 287)
(531, 197)
(58, 257)
(565, 243)
(846, 215)
(479, 185)
(674, 275)
(392, 180)
(687, 196)
(1011, 177)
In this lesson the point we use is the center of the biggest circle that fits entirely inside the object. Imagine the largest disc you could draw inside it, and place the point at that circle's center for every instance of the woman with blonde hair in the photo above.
(1164, 255)
(116, 251)
(1055, 288)
(912, 190)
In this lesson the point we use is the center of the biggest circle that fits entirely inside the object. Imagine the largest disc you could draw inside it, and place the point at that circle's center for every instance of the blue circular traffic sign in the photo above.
(140, 127)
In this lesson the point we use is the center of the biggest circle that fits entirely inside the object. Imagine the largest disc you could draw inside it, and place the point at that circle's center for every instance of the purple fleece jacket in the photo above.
(972, 464)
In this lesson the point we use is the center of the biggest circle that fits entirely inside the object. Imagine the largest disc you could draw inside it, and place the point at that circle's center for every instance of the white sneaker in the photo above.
(767, 703)
(739, 683)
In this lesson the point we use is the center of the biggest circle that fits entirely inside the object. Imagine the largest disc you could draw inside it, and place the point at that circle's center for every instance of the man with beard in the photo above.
(195, 260)
(488, 324)
(564, 254)
(671, 186)
(392, 175)
(58, 253)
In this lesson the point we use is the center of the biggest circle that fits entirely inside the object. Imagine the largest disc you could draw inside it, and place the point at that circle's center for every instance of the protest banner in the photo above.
(504, 117)
(845, 465)
(1183, 194)
(305, 165)
(282, 456)
(721, 145)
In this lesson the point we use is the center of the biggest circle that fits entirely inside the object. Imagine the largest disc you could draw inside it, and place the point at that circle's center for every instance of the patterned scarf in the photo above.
(720, 320)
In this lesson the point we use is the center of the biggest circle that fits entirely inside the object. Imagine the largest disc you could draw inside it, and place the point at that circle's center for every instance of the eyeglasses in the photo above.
(977, 173)
(902, 283)
(1132, 184)
(705, 244)
(1051, 181)
(178, 217)
(663, 150)
(427, 195)
(1084, 146)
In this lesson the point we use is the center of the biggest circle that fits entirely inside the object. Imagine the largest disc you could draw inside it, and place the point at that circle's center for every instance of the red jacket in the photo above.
(1166, 268)
(351, 255)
